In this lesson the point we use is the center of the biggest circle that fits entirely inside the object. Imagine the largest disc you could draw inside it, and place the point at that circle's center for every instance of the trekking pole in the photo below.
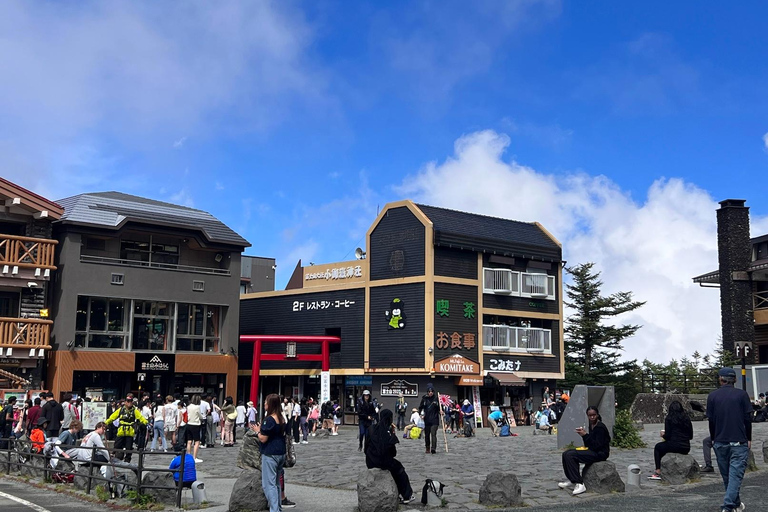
(442, 422)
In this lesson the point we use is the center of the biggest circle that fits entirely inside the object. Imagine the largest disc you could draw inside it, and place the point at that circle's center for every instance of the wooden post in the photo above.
(442, 422)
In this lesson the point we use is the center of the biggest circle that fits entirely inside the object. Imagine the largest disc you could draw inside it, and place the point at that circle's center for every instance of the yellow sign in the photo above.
(43, 313)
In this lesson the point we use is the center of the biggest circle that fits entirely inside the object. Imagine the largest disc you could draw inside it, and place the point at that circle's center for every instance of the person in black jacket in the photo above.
(380, 453)
(54, 413)
(677, 435)
(598, 446)
(429, 408)
(365, 414)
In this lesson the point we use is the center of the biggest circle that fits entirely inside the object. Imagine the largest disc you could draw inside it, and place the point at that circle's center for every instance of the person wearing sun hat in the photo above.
(468, 412)
(730, 427)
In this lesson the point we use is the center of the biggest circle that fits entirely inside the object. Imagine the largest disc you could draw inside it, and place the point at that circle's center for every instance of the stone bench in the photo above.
(602, 478)
(677, 469)
(376, 491)
(501, 490)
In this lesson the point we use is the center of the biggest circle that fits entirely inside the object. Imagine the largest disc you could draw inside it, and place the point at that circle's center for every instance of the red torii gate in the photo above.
(257, 339)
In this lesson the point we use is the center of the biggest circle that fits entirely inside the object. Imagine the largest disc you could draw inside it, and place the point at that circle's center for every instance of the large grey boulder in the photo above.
(679, 469)
(249, 456)
(376, 491)
(501, 490)
(167, 495)
(81, 478)
(247, 494)
(602, 478)
(653, 407)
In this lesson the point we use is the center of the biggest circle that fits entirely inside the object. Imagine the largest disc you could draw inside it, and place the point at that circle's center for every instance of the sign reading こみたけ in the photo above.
(457, 364)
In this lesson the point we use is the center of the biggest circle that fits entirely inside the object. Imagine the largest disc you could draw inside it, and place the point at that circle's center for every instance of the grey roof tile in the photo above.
(112, 209)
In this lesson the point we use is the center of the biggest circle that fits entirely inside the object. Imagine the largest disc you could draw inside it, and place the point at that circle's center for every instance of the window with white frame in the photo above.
(197, 328)
(537, 285)
(501, 281)
(506, 338)
(101, 323)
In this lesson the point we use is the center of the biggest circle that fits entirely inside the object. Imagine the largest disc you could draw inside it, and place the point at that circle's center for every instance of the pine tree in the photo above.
(593, 346)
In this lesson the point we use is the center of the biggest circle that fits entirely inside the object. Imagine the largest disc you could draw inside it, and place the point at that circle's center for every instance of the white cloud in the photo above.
(651, 247)
(183, 197)
(765, 141)
(179, 143)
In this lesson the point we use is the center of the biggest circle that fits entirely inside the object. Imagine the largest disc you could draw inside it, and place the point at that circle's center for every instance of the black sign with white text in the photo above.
(155, 363)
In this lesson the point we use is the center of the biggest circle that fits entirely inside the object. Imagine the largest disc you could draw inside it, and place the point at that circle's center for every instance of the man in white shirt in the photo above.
(240, 420)
(205, 418)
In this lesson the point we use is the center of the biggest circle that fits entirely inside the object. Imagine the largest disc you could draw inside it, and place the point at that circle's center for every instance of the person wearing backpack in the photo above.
(6, 421)
(338, 413)
(127, 415)
(468, 411)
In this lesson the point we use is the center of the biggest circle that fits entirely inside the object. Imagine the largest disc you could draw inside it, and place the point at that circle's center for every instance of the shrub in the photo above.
(625, 434)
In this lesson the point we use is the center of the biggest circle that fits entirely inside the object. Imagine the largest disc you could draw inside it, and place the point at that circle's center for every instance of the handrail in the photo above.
(86, 258)
(27, 252)
(12, 448)
(25, 333)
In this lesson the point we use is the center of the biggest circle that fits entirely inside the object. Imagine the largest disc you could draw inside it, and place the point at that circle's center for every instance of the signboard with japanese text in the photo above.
(334, 273)
(457, 365)
(397, 386)
(359, 380)
(476, 400)
(325, 387)
(321, 304)
(456, 321)
(155, 363)
(504, 364)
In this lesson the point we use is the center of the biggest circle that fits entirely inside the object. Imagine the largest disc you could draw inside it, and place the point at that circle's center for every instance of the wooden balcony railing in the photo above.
(25, 333)
(27, 252)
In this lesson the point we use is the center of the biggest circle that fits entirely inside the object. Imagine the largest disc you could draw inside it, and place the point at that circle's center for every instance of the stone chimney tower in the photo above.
(735, 254)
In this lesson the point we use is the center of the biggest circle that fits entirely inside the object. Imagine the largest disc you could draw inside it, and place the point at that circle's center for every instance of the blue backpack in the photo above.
(505, 431)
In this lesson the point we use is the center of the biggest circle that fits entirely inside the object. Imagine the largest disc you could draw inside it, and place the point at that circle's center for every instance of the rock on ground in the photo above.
(679, 469)
(247, 494)
(602, 478)
(249, 456)
(501, 489)
(167, 495)
(376, 491)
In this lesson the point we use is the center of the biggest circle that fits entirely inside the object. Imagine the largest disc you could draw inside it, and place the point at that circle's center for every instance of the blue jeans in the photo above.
(363, 427)
(271, 466)
(159, 433)
(732, 461)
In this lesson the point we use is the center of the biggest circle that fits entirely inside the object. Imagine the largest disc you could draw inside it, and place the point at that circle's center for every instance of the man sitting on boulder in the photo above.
(380, 453)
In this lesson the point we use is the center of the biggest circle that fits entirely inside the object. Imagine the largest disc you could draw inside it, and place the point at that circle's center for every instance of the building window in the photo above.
(537, 285)
(198, 286)
(501, 281)
(101, 323)
(197, 328)
(118, 278)
(158, 254)
(150, 325)
(505, 338)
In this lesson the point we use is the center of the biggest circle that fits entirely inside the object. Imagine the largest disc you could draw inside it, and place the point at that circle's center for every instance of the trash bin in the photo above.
(633, 475)
(198, 492)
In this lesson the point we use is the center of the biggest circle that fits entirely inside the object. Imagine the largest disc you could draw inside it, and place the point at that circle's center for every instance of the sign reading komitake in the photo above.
(457, 365)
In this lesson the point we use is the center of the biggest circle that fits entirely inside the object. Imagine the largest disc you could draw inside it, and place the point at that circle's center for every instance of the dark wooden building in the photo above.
(469, 303)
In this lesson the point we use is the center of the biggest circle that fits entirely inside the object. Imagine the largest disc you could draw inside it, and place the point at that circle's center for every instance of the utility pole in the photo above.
(743, 349)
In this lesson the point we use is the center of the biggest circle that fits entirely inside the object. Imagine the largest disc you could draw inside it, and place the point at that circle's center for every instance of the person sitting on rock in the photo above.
(190, 473)
(416, 421)
(380, 453)
(542, 421)
(677, 435)
(597, 448)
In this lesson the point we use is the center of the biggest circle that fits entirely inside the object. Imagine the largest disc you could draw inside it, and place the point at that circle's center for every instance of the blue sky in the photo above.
(618, 125)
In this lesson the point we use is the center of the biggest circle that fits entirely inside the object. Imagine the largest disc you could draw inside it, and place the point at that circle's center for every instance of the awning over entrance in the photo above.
(507, 379)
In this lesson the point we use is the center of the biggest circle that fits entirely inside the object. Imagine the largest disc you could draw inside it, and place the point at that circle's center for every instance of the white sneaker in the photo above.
(565, 485)
(202, 447)
(741, 507)
(580, 488)
(305, 442)
(198, 461)
(313, 434)
(335, 434)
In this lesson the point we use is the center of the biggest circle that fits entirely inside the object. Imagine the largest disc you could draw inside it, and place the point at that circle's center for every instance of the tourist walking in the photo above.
(730, 427)
(207, 429)
(295, 419)
(169, 419)
(365, 414)
(272, 438)
(194, 426)
(429, 408)
(468, 412)
(54, 413)
(70, 410)
(240, 420)
(158, 427)
(597, 441)
(380, 452)
(338, 413)
(677, 435)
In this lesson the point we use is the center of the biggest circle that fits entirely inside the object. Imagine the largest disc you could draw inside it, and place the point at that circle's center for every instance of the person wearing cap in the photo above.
(365, 414)
(128, 416)
(468, 411)
(730, 427)
(429, 409)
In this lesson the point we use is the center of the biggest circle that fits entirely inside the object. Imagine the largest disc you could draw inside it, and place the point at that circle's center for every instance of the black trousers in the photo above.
(295, 429)
(572, 459)
(401, 477)
(665, 447)
(123, 443)
(430, 435)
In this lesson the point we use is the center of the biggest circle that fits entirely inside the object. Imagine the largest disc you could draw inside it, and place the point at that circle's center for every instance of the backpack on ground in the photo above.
(415, 432)
(432, 493)
(505, 431)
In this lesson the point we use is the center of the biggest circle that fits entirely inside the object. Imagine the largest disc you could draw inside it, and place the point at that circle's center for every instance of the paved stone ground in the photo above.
(335, 463)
